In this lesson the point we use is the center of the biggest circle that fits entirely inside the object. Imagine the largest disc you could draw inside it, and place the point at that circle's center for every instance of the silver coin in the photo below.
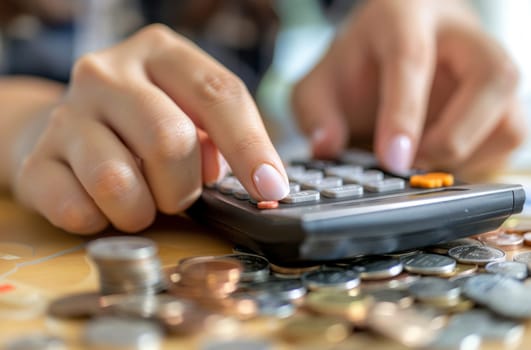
(36, 342)
(477, 255)
(150, 306)
(489, 326)
(443, 248)
(524, 258)
(255, 267)
(122, 248)
(429, 264)
(510, 298)
(287, 289)
(122, 333)
(404, 254)
(479, 287)
(434, 289)
(396, 296)
(513, 269)
(270, 305)
(371, 268)
(330, 278)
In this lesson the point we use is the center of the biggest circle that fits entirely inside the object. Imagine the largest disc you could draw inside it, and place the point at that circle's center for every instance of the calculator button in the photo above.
(229, 184)
(241, 193)
(267, 205)
(343, 191)
(431, 180)
(359, 157)
(343, 170)
(321, 184)
(294, 187)
(295, 170)
(364, 177)
(301, 197)
(385, 185)
(307, 175)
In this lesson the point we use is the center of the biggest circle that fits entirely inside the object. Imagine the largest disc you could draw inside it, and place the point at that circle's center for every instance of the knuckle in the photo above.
(137, 221)
(219, 88)
(90, 67)
(157, 34)
(112, 180)
(415, 53)
(502, 73)
(454, 151)
(78, 218)
(515, 133)
(174, 139)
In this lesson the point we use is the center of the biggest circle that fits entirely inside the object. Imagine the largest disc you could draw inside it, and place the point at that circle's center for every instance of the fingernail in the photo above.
(270, 183)
(318, 136)
(399, 154)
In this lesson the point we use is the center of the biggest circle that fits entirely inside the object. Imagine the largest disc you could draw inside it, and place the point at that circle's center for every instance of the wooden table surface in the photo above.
(47, 262)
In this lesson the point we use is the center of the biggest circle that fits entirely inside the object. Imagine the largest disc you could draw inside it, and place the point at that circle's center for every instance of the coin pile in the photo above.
(127, 265)
(451, 296)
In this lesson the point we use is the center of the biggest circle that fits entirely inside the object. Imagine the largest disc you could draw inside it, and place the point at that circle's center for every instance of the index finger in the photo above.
(407, 67)
(218, 102)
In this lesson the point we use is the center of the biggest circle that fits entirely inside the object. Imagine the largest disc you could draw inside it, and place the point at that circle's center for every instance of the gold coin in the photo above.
(354, 308)
(292, 271)
(312, 329)
(461, 270)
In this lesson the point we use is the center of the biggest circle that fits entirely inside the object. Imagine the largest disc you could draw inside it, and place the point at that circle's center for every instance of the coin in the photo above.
(401, 281)
(472, 254)
(121, 248)
(122, 333)
(292, 271)
(434, 290)
(399, 297)
(219, 275)
(429, 264)
(443, 248)
(287, 289)
(513, 269)
(524, 258)
(255, 267)
(527, 238)
(373, 268)
(351, 307)
(315, 330)
(337, 279)
(81, 305)
(407, 326)
(504, 240)
(461, 270)
(36, 342)
(127, 264)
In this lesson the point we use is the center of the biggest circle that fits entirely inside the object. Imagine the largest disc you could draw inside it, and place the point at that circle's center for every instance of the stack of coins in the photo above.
(127, 265)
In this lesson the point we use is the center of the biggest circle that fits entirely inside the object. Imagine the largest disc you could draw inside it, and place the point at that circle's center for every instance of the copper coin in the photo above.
(292, 271)
(82, 305)
(218, 270)
(504, 240)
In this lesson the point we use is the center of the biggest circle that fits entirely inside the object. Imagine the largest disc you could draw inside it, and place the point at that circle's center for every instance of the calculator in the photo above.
(351, 207)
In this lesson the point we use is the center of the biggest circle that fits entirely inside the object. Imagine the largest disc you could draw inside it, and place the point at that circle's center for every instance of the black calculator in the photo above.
(351, 207)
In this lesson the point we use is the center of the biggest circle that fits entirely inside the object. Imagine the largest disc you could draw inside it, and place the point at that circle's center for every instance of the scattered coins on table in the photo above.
(454, 295)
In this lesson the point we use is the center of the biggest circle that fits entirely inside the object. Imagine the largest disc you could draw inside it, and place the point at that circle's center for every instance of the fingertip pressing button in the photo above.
(270, 183)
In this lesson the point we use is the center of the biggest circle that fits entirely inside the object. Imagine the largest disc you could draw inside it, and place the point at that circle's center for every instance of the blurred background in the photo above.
(269, 43)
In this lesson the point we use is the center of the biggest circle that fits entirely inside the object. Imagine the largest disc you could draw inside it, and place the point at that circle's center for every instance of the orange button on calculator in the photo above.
(431, 180)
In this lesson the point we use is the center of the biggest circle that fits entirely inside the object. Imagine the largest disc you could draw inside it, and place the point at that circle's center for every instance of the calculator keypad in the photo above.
(318, 181)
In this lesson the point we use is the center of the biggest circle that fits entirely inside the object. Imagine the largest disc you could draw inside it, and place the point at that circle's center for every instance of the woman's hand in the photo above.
(141, 128)
(420, 80)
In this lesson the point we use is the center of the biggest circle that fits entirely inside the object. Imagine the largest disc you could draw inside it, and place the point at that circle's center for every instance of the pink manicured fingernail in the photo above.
(270, 183)
(399, 154)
